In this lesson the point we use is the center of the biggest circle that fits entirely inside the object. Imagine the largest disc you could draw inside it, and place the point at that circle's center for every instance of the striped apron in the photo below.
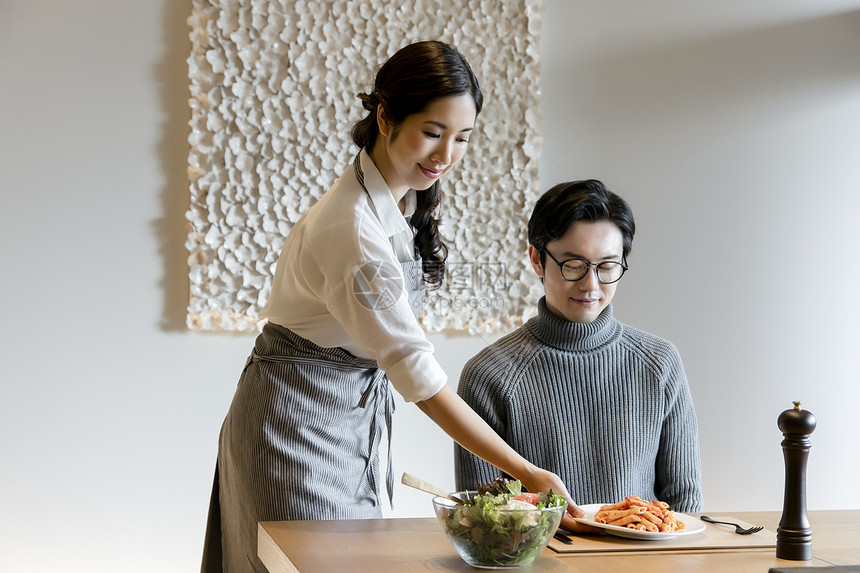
(300, 440)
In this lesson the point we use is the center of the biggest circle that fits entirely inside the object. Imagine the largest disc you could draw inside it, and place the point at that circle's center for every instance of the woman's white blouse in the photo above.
(327, 289)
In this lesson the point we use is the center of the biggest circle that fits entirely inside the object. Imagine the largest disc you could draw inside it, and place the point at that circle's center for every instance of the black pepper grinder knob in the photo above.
(794, 535)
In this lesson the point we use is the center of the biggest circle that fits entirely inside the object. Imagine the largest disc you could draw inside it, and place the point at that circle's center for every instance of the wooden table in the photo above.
(398, 545)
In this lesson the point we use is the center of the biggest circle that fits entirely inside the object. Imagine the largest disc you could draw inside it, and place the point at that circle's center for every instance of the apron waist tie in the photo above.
(380, 390)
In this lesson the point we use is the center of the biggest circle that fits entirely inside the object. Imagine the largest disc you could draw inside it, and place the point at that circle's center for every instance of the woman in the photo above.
(300, 440)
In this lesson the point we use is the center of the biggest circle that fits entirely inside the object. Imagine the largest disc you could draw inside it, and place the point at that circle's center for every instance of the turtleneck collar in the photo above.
(563, 334)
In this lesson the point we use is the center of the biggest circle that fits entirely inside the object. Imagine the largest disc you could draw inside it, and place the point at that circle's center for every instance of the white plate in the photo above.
(693, 525)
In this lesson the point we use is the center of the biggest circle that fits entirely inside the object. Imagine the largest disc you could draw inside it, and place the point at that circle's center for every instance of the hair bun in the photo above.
(368, 102)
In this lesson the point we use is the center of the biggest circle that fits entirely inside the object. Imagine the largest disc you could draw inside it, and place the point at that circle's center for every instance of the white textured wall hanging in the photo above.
(273, 98)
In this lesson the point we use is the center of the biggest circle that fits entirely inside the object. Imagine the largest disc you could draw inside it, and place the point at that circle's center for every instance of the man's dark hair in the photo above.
(567, 203)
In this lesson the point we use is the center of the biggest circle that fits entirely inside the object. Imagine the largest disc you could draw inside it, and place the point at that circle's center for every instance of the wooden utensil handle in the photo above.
(412, 481)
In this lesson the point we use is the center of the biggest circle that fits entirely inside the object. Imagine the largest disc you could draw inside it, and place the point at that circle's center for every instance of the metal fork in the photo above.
(738, 529)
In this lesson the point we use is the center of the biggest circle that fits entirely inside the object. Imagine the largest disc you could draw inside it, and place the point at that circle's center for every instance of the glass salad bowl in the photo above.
(499, 531)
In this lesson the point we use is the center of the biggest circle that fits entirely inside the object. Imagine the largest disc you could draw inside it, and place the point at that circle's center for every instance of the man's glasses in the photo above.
(572, 270)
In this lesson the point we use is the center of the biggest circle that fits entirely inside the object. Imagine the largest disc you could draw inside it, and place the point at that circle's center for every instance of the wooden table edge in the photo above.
(272, 556)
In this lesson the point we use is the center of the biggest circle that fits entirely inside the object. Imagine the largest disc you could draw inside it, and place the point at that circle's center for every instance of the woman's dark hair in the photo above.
(413, 78)
(567, 203)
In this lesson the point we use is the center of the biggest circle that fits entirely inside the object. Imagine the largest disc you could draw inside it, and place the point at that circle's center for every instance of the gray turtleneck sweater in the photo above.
(605, 406)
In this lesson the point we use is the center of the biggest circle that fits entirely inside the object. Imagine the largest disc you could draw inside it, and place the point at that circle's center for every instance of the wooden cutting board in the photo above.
(713, 538)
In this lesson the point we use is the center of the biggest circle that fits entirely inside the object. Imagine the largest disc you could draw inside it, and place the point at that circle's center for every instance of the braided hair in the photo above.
(406, 84)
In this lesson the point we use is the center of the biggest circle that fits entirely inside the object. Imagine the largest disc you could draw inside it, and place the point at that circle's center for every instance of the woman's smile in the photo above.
(432, 173)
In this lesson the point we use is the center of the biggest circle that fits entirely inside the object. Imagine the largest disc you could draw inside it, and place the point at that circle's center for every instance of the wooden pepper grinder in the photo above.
(794, 535)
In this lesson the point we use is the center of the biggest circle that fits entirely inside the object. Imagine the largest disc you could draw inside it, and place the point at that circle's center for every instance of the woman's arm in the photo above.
(468, 429)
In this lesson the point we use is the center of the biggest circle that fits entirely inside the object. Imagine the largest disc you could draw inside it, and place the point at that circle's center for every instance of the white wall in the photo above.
(733, 128)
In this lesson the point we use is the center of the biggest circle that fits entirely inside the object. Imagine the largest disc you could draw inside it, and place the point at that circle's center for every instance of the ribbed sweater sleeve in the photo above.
(605, 406)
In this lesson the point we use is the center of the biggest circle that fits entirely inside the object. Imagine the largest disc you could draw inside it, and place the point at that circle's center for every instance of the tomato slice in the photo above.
(531, 498)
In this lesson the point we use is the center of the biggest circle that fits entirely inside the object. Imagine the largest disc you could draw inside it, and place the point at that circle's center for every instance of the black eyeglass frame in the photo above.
(588, 265)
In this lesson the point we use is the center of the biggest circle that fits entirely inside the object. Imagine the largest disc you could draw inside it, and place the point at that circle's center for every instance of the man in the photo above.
(604, 405)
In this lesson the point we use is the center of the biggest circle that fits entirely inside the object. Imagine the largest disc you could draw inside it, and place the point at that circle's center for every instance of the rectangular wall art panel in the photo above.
(273, 99)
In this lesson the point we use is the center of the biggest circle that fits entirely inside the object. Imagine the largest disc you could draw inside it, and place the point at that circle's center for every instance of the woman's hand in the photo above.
(543, 480)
